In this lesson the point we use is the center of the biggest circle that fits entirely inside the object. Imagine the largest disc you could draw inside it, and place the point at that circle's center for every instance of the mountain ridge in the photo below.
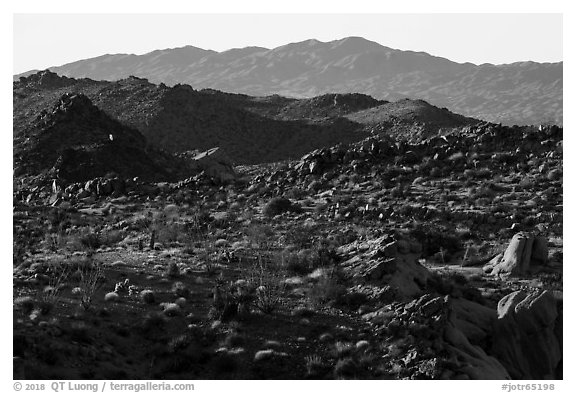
(250, 129)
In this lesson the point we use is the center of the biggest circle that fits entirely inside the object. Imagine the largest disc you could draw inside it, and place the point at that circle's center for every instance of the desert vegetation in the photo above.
(383, 258)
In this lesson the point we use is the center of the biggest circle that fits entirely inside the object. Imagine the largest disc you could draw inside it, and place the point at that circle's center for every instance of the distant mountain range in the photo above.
(517, 93)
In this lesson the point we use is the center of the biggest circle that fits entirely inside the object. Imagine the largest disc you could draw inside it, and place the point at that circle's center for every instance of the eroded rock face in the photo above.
(216, 164)
(454, 328)
(525, 252)
(528, 334)
(394, 264)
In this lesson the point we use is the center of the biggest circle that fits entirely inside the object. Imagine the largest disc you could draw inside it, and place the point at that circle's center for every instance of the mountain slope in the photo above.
(76, 141)
(249, 129)
(519, 93)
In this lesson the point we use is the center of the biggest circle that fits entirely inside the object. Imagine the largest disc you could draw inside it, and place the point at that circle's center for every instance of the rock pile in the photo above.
(392, 263)
(426, 340)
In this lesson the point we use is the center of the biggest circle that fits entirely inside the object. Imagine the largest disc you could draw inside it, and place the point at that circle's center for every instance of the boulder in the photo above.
(216, 164)
(528, 334)
(524, 253)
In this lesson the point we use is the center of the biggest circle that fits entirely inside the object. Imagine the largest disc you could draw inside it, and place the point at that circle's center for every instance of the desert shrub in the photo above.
(58, 274)
(91, 279)
(164, 226)
(153, 324)
(90, 240)
(429, 369)
(231, 300)
(435, 172)
(295, 193)
(295, 263)
(55, 240)
(180, 290)
(179, 343)
(326, 290)
(315, 366)
(260, 236)
(80, 332)
(173, 270)
(234, 340)
(111, 238)
(18, 252)
(24, 304)
(342, 349)
(303, 312)
(346, 368)
(484, 191)
(58, 219)
(182, 359)
(270, 286)
(302, 236)
(277, 206)
(210, 266)
(553, 280)
(324, 256)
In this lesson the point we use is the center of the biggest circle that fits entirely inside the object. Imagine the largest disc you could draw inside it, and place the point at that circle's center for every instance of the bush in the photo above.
(179, 343)
(91, 279)
(90, 240)
(345, 368)
(153, 324)
(234, 340)
(298, 264)
(326, 290)
(315, 366)
(270, 287)
(25, 304)
(277, 206)
(180, 289)
(173, 270)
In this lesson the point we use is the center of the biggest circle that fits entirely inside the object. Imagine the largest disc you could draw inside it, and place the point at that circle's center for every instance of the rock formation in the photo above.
(528, 334)
(524, 253)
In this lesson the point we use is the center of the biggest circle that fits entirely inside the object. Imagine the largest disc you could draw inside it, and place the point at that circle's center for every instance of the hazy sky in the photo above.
(43, 40)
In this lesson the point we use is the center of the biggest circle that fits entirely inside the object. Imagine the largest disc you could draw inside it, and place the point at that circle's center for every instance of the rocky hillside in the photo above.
(249, 129)
(518, 93)
(76, 141)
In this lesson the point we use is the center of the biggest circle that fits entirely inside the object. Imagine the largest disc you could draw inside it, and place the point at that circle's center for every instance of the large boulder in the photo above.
(216, 164)
(528, 334)
(524, 253)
